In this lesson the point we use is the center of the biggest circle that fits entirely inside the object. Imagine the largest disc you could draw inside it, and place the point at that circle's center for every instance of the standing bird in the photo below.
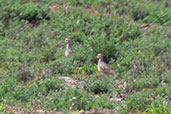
(68, 47)
(103, 67)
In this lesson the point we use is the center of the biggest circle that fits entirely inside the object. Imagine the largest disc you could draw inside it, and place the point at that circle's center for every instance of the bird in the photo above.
(103, 68)
(68, 50)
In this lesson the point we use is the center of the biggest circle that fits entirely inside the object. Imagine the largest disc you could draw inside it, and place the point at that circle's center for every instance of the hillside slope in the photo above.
(133, 35)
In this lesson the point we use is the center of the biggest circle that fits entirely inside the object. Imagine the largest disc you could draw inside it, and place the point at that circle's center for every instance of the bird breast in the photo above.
(99, 69)
(68, 52)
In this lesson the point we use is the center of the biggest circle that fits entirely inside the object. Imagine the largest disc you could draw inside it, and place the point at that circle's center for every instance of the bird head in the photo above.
(100, 56)
(67, 41)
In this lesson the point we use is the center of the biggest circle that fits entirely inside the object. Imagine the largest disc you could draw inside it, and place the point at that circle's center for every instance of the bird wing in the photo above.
(105, 68)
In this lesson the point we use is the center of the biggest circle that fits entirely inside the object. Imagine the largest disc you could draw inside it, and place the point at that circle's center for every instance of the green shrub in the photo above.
(76, 99)
(138, 12)
(27, 11)
(2, 108)
(31, 12)
(43, 87)
(145, 98)
(98, 87)
(150, 12)
(161, 109)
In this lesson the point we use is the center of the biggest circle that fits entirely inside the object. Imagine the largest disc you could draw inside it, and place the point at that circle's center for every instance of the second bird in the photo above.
(68, 47)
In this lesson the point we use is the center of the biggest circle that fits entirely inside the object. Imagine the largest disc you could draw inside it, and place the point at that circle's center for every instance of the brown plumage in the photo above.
(68, 50)
(103, 67)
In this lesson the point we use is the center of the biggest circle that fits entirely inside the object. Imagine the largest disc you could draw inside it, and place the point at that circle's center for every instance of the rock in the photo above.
(72, 82)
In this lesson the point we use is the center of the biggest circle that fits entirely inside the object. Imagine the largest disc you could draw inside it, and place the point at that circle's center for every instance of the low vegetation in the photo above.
(133, 35)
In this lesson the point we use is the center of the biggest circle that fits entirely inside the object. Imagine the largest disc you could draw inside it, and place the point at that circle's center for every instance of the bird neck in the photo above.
(100, 60)
(68, 46)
